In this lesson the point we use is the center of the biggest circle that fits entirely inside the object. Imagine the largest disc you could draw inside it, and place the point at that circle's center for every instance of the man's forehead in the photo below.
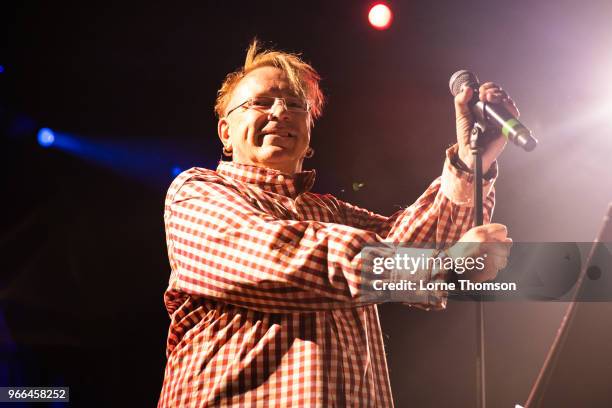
(264, 79)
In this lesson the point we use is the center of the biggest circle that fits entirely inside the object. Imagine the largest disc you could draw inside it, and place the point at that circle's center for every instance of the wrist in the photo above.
(447, 262)
(465, 161)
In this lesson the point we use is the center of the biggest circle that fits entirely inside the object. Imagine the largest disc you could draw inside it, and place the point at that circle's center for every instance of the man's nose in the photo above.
(279, 109)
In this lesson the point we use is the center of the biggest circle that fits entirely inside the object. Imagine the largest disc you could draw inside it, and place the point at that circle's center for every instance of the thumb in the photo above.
(461, 101)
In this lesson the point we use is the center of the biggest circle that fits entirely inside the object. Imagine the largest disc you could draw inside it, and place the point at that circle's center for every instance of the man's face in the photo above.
(277, 139)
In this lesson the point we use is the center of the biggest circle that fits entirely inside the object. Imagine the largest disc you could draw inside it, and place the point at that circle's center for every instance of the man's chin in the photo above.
(275, 151)
(275, 155)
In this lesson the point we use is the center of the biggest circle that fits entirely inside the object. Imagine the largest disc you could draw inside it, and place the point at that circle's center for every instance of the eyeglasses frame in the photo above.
(276, 99)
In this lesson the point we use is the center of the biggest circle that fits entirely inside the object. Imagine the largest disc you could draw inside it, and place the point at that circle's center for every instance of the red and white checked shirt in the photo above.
(264, 293)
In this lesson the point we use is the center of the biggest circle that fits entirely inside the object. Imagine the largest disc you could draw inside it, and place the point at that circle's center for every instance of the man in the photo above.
(264, 294)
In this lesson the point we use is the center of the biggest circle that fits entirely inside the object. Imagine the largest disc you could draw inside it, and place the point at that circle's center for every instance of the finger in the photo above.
(497, 249)
(498, 92)
(496, 227)
(500, 234)
(494, 246)
(489, 85)
(511, 106)
(496, 235)
(489, 273)
(493, 93)
(493, 97)
(508, 243)
(500, 262)
(462, 99)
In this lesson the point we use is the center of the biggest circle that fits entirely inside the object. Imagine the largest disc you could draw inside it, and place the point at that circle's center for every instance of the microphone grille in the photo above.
(460, 78)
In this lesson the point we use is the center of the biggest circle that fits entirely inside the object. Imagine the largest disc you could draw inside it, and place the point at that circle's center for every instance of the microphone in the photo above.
(494, 114)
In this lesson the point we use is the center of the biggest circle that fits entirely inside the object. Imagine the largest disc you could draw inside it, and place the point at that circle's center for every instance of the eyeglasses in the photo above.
(266, 103)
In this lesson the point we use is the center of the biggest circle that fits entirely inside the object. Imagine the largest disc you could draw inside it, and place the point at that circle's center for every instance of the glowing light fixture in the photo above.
(380, 16)
(46, 137)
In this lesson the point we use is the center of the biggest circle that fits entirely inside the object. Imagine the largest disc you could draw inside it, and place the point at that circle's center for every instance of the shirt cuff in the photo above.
(457, 184)
(421, 296)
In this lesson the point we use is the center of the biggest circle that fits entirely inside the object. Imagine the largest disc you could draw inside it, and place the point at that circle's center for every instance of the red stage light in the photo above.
(380, 16)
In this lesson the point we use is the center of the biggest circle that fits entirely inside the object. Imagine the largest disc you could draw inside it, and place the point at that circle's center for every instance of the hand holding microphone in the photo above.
(497, 112)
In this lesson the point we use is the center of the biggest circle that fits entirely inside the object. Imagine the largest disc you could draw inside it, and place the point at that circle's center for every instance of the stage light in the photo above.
(380, 16)
(152, 162)
(46, 137)
(1, 69)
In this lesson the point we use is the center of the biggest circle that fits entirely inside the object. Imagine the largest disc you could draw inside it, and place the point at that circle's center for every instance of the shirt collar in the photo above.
(290, 185)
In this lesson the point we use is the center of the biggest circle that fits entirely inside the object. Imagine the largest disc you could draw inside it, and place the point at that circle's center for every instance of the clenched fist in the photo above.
(490, 239)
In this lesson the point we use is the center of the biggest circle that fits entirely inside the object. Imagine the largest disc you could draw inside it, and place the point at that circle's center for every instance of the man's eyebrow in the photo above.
(272, 89)
(270, 92)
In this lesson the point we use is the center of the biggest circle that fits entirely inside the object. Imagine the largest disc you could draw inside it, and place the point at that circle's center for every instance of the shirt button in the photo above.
(281, 178)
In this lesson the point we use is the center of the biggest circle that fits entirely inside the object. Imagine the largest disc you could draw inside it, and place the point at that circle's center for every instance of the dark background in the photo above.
(132, 86)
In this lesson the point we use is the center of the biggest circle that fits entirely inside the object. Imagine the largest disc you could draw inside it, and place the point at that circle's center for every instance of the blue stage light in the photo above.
(176, 171)
(46, 137)
(1, 69)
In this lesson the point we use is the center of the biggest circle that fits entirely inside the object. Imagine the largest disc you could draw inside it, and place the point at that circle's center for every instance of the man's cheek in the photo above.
(252, 136)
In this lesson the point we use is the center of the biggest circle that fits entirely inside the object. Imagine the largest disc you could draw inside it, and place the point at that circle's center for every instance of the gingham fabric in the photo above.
(264, 294)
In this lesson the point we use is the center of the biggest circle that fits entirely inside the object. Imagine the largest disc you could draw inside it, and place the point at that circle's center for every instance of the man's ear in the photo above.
(223, 131)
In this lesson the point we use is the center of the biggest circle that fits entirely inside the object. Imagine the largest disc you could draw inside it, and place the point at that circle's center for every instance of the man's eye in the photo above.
(262, 102)
(295, 104)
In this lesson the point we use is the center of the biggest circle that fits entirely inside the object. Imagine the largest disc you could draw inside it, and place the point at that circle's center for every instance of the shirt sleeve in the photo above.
(223, 247)
(440, 216)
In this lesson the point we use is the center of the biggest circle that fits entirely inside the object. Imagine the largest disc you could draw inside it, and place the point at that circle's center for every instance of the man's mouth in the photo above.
(283, 133)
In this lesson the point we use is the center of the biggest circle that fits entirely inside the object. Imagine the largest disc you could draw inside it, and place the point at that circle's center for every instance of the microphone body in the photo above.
(493, 114)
